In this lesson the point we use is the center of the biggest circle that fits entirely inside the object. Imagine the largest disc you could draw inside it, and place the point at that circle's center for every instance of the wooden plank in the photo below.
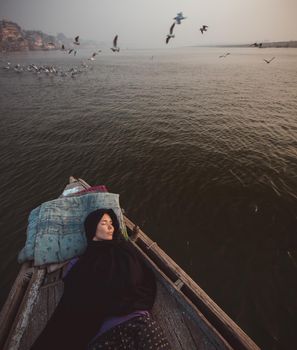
(13, 302)
(181, 331)
(25, 311)
(84, 183)
(54, 294)
(72, 179)
(48, 299)
(173, 307)
(54, 267)
(220, 320)
(36, 322)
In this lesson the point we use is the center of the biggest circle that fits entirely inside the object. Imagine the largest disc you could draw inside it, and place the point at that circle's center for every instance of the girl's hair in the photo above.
(93, 219)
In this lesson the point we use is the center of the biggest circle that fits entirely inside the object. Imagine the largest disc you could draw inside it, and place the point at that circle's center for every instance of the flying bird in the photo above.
(203, 28)
(115, 47)
(257, 45)
(76, 42)
(92, 58)
(225, 55)
(171, 28)
(268, 61)
(170, 35)
(72, 50)
(179, 17)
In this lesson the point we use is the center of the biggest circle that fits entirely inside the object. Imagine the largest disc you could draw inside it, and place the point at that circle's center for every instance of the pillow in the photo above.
(55, 230)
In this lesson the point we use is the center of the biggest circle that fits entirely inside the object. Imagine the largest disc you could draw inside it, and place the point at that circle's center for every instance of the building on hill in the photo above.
(14, 38)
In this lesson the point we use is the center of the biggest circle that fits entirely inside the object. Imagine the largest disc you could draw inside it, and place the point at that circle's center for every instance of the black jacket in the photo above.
(108, 280)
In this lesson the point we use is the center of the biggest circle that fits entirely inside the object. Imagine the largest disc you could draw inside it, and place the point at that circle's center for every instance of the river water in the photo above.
(201, 149)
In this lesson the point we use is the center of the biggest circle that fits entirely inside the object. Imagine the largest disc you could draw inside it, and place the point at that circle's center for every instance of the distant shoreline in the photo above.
(275, 44)
(14, 38)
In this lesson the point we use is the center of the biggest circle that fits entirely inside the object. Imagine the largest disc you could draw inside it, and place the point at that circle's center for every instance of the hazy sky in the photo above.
(145, 23)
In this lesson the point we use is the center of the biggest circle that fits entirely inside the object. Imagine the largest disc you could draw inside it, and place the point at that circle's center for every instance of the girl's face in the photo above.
(104, 229)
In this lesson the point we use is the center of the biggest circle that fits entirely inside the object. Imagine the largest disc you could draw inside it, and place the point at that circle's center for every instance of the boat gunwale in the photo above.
(219, 320)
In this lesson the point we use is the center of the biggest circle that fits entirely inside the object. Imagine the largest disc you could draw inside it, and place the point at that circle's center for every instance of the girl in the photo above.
(108, 295)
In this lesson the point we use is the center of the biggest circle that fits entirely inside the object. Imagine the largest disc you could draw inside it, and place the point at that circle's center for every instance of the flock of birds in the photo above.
(46, 70)
(177, 20)
(114, 48)
(72, 72)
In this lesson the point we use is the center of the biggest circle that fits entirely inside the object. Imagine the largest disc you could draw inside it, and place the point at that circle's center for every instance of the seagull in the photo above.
(170, 35)
(168, 38)
(8, 66)
(171, 28)
(92, 58)
(179, 17)
(18, 68)
(203, 28)
(257, 45)
(115, 48)
(72, 50)
(225, 55)
(268, 61)
(76, 42)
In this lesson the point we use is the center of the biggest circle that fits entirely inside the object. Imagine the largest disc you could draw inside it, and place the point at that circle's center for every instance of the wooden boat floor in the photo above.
(47, 301)
(180, 329)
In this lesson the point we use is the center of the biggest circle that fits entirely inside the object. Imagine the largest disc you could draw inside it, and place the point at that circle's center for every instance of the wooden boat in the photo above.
(189, 317)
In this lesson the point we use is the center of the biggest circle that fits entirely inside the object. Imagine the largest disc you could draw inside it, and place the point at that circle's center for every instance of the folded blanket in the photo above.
(55, 231)
(75, 189)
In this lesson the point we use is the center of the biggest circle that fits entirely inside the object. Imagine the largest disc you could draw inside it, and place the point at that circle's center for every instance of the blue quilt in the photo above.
(55, 231)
